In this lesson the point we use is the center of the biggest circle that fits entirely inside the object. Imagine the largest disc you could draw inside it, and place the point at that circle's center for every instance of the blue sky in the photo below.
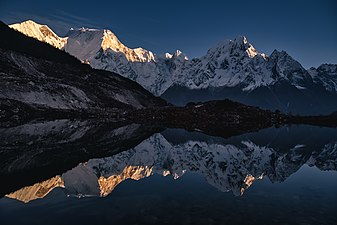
(307, 30)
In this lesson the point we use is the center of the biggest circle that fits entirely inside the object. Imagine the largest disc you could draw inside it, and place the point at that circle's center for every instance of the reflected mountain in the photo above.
(232, 164)
(38, 150)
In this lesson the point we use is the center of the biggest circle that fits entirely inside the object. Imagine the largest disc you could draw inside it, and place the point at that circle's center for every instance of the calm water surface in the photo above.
(275, 176)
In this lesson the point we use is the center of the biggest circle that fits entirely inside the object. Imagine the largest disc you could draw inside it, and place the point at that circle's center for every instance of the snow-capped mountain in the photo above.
(233, 67)
(227, 167)
(40, 32)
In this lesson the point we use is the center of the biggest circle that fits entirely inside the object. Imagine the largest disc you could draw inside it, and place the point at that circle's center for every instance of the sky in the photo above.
(307, 30)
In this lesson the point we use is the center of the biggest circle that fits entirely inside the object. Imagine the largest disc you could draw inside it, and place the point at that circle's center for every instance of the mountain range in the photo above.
(232, 69)
(38, 77)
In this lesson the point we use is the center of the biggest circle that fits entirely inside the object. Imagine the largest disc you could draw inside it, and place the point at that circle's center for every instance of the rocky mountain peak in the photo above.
(179, 55)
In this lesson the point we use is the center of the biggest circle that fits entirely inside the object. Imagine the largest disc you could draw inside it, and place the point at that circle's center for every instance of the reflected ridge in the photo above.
(232, 166)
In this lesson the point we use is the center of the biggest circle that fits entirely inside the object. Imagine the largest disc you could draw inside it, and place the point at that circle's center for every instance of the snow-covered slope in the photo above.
(326, 75)
(85, 43)
(283, 67)
(102, 50)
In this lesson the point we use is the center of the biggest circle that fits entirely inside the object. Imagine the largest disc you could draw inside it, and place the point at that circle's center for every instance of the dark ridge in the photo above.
(11, 39)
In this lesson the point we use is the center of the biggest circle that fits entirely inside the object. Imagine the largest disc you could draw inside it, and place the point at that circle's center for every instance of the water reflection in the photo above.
(33, 152)
(232, 164)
